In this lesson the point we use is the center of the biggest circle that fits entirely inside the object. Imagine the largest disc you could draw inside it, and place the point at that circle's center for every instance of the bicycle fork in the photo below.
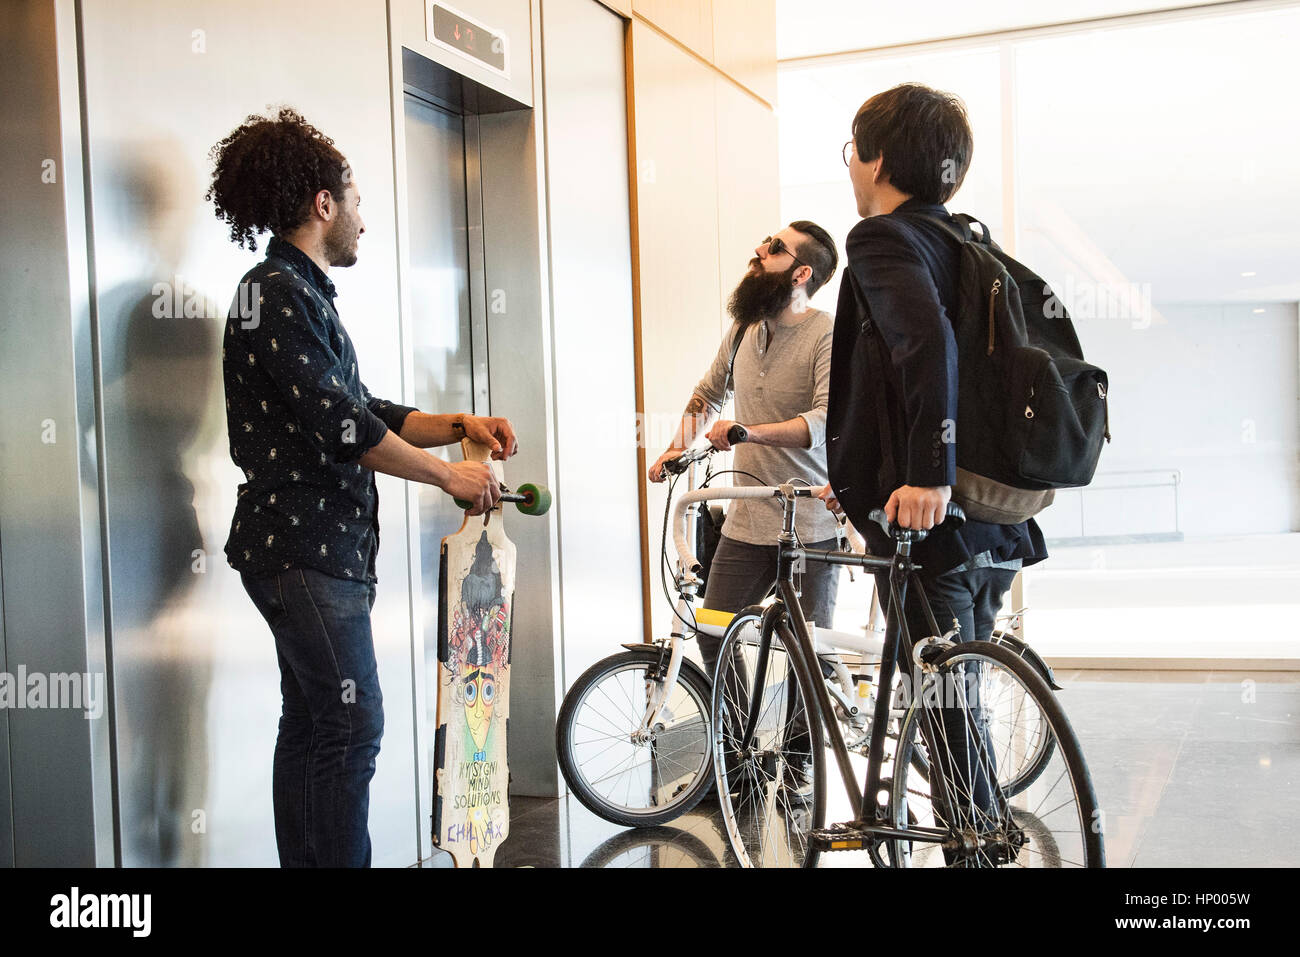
(657, 690)
(797, 637)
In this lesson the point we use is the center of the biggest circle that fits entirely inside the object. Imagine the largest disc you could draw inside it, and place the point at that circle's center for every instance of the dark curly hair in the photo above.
(268, 171)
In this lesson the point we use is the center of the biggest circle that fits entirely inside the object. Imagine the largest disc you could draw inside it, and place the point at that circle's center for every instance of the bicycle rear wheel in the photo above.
(998, 712)
(1033, 760)
(771, 787)
(628, 775)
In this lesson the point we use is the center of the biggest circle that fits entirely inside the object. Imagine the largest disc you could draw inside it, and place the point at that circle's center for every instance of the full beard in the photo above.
(761, 296)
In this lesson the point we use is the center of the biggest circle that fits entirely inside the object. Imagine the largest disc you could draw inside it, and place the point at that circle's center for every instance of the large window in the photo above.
(1149, 177)
(1158, 196)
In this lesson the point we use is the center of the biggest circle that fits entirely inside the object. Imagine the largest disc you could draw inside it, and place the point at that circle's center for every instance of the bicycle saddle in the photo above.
(954, 518)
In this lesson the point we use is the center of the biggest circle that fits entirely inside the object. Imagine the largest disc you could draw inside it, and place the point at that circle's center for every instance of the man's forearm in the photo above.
(790, 434)
(395, 456)
(695, 421)
(425, 431)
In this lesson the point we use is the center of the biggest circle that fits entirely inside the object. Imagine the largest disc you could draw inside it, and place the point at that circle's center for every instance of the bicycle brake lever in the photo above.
(842, 542)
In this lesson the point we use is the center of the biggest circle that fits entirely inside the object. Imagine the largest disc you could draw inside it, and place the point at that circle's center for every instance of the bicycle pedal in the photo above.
(837, 837)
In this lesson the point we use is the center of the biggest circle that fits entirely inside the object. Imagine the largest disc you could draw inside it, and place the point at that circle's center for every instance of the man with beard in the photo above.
(780, 379)
(309, 437)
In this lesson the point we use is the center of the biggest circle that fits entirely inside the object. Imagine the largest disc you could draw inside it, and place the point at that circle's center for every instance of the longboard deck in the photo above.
(471, 778)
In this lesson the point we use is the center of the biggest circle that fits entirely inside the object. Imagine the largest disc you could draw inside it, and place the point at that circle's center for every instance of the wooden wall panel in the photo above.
(690, 22)
(744, 43)
(676, 235)
(705, 191)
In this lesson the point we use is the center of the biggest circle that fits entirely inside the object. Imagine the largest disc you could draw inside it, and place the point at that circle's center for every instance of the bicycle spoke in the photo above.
(609, 768)
(998, 738)
(764, 825)
(592, 757)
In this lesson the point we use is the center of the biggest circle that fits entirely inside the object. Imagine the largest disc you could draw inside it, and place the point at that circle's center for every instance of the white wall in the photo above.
(1152, 186)
(1208, 390)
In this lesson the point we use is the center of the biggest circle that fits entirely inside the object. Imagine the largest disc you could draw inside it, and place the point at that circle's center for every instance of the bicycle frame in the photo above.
(786, 617)
(658, 696)
(828, 642)
(872, 823)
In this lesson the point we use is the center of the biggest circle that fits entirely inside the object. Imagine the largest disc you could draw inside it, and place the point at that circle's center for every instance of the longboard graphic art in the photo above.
(476, 586)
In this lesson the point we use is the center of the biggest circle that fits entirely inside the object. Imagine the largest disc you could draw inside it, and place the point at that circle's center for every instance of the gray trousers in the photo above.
(741, 574)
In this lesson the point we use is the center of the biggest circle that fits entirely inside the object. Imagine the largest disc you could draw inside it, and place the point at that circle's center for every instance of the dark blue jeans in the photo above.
(332, 717)
(973, 597)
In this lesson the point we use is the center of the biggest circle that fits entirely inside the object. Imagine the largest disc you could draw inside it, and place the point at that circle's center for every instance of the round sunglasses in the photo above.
(776, 247)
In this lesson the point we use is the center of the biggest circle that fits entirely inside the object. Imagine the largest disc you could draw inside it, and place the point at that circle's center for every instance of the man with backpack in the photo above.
(911, 314)
(910, 151)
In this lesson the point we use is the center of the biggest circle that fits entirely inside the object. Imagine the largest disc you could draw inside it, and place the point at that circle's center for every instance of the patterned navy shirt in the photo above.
(299, 417)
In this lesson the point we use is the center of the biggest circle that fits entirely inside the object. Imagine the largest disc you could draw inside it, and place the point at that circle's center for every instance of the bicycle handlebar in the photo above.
(735, 435)
(954, 518)
(689, 561)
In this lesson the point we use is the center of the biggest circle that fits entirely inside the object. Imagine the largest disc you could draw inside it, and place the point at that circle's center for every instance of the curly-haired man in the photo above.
(309, 437)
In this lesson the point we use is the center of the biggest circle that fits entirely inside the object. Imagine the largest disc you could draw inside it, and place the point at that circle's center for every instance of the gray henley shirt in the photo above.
(781, 372)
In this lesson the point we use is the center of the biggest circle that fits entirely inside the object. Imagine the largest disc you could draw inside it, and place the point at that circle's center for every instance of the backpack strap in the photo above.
(984, 237)
(731, 367)
(959, 226)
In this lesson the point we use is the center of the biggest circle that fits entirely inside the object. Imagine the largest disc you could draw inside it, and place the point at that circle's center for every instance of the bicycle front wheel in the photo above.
(983, 708)
(625, 772)
(769, 759)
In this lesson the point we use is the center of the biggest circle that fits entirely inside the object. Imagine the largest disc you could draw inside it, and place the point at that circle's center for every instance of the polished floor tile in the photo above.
(1191, 769)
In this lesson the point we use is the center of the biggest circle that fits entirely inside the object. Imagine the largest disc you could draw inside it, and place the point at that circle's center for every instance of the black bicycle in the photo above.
(984, 769)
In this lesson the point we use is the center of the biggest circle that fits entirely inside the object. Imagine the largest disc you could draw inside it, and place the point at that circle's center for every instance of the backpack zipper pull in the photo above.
(1105, 408)
(997, 284)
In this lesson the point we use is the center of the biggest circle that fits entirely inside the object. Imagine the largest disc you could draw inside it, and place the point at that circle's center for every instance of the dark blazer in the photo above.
(906, 268)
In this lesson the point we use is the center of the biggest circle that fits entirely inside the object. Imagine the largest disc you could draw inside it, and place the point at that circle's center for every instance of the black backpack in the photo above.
(1032, 415)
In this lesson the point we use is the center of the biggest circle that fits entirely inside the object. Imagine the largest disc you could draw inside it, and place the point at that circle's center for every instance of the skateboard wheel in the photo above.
(537, 499)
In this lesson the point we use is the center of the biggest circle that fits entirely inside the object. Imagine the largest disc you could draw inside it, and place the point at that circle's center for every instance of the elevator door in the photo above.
(446, 289)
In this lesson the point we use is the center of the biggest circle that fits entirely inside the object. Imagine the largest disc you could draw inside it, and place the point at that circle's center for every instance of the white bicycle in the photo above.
(633, 736)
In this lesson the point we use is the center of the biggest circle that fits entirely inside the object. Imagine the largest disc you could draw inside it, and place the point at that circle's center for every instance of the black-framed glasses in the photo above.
(776, 247)
(844, 153)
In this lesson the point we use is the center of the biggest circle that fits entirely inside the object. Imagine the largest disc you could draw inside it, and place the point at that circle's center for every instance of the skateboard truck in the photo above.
(531, 499)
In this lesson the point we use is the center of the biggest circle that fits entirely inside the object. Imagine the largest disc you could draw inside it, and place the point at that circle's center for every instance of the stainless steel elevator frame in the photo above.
(117, 486)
